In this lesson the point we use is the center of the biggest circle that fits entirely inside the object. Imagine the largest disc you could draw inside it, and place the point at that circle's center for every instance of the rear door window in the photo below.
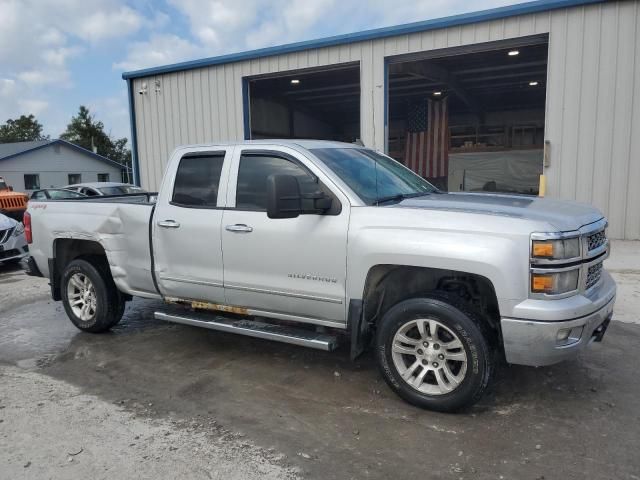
(197, 180)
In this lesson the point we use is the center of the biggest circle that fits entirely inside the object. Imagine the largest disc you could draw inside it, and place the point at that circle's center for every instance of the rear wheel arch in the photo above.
(66, 250)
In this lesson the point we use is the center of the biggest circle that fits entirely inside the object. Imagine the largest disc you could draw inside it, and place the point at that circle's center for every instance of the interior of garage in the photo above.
(317, 104)
(471, 121)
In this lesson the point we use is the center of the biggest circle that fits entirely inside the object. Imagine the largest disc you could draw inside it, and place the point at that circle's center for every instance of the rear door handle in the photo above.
(168, 224)
(239, 228)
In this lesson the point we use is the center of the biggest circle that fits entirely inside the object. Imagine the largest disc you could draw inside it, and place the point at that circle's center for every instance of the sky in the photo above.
(56, 55)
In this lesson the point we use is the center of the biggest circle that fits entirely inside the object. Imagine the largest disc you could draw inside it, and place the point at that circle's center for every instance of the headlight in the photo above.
(555, 283)
(19, 230)
(561, 249)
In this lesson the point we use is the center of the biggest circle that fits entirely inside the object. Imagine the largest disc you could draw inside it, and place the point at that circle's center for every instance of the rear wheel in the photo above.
(432, 351)
(90, 298)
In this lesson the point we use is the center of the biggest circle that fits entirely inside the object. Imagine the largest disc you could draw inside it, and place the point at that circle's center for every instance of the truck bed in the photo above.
(137, 198)
(120, 224)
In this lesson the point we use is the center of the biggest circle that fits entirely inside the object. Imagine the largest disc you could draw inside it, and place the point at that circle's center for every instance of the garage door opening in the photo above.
(314, 104)
(472, 121)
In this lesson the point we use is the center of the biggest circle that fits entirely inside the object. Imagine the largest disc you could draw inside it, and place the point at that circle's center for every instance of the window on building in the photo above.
(197, 180)
(103, 177)
(31, 181)
(74, 178)
(251, 192)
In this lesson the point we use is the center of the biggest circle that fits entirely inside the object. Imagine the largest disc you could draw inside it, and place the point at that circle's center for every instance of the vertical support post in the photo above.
(134, 139)
(246, 110)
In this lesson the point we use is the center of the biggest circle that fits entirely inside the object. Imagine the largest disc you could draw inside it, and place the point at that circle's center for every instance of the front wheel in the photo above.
(90, 298)
(433, 353)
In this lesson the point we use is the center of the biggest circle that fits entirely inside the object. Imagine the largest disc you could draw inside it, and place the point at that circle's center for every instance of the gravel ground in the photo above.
(156, 400)
(50, 429)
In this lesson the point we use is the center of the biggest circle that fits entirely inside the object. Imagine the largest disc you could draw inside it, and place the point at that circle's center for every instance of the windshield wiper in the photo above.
(399, 197)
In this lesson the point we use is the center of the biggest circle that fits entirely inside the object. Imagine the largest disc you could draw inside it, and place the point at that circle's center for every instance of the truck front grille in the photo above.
(596, 240)
(594, 272)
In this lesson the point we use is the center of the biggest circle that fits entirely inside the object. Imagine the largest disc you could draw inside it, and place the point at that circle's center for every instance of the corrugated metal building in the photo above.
(579, 121)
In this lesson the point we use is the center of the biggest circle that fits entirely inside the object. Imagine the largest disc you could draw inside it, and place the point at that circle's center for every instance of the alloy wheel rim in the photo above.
(82, 296)
(429, 356)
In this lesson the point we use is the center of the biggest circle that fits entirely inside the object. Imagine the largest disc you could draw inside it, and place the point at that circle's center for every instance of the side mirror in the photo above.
(321, 202)
(283, 196)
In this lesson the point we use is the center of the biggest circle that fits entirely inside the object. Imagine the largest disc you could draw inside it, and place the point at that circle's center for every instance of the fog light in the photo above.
(568, 336)
(563, 334)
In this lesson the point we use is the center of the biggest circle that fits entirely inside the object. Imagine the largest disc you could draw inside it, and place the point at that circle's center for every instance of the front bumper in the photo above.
(539, 342)
(13, 248)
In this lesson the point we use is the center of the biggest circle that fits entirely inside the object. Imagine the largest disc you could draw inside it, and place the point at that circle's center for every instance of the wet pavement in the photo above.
(332, 418)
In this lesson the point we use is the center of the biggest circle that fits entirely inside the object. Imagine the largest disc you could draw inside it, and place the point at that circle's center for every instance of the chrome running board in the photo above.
(252, 328)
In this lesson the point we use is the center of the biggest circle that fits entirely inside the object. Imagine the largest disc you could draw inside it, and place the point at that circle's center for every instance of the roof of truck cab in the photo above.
(307, 144)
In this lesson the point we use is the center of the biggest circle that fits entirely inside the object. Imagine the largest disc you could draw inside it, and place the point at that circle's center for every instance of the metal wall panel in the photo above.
(592, 111)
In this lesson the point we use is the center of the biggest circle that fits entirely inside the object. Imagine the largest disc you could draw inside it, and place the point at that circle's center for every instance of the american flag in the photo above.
(427, 146)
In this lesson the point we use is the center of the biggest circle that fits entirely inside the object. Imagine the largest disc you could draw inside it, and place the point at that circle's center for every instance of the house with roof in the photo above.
(29, 166)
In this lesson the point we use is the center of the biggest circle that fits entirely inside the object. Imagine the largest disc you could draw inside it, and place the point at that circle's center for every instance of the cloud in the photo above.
(40, 38)
(104, 24)
(34, 106)
(159, 50)
(113, 111)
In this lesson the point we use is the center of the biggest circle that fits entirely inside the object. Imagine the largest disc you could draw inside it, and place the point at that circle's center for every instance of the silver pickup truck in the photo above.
(314, 243)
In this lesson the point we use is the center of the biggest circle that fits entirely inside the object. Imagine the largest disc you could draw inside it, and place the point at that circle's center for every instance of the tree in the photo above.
(23, 129)
(87, 132)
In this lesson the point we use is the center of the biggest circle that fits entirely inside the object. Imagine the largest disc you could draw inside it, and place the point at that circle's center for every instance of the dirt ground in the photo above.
(156, 400)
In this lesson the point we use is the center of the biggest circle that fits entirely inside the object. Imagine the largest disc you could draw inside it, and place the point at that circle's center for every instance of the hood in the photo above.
(6, 222)
(562, 215)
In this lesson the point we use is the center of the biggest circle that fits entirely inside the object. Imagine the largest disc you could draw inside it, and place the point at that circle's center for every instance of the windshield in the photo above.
(375, 178)
(3, 185)
(120, 190)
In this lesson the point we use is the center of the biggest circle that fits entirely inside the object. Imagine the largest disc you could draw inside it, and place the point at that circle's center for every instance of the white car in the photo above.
(104, 188)
(13, 244)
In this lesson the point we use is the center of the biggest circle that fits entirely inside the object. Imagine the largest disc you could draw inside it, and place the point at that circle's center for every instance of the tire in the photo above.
(90, 283)
(441, 375)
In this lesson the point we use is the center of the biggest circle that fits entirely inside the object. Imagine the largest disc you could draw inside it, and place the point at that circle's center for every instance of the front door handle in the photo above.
(168, 224)
(239, 228)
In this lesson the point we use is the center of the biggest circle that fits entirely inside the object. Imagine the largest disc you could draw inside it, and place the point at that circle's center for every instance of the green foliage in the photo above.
(23, 129)
(85, 131)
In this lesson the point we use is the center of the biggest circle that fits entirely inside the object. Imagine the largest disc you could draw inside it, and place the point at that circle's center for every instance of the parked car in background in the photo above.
(104, 188)
(55, 194)
(13, 244)
(12, 203)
